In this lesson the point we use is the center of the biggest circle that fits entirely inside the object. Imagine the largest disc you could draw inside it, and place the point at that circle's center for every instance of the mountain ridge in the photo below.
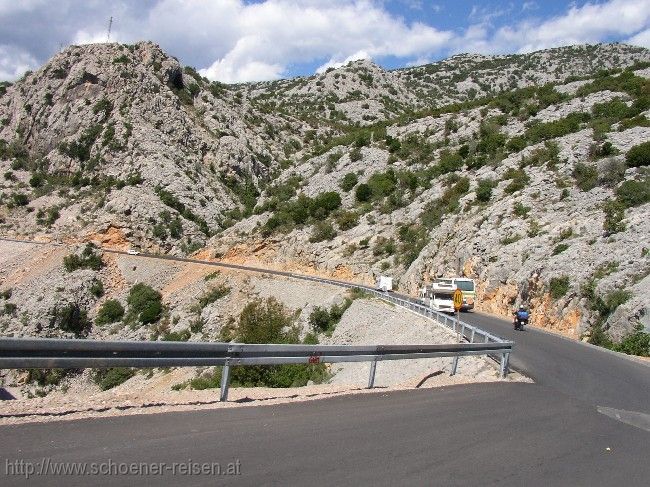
(469, 164)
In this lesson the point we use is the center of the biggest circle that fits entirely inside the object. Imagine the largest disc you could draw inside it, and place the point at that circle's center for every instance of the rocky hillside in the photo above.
(526, 172)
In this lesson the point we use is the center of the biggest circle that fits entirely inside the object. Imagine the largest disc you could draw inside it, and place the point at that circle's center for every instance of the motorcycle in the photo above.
(520, 323)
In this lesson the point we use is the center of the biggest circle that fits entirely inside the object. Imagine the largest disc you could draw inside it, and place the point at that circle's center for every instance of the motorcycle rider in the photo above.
(521, 314)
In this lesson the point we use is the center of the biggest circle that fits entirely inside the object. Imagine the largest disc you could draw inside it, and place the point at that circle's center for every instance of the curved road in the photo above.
(585, 421)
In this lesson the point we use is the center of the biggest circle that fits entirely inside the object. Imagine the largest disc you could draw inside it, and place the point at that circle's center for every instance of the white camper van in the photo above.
(466, 285)
(439, 296)
(385, 283)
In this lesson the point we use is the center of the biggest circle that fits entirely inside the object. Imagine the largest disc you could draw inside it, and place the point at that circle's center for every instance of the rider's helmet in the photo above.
(521, 307)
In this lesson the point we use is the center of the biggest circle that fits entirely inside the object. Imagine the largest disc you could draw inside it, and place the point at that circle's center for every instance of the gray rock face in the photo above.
(122, 146)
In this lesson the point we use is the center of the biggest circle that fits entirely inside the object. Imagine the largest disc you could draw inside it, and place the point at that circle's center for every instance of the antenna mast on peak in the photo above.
(110, 24)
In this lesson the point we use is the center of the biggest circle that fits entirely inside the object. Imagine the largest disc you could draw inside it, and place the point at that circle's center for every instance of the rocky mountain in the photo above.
(526, 172)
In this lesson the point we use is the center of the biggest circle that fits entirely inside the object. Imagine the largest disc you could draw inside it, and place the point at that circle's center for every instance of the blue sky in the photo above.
(240, 40)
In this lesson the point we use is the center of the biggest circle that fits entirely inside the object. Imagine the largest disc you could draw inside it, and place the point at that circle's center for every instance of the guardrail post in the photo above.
(462, 331)
(373, 369)
(454, 366)
(225, 382)
(471, 340)
(505, 357)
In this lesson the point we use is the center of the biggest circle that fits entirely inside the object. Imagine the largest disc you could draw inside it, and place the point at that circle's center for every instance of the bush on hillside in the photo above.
(72, 318)
(634, 193)
(88, 259)
(586, 176)
(145, 303)
(110, 312)
(639, 155)
(112, 377)
(363, 193)
(559, 286)
(349, 181)
(484, 190)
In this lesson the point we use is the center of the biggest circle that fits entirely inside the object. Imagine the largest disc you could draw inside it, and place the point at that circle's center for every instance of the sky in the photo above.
(239, 40)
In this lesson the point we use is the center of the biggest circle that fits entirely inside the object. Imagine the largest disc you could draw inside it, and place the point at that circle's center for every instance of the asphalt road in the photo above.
(547, 433)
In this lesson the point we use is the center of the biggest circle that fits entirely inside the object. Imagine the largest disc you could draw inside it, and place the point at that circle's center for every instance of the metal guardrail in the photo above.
(467, 331)
(20, 353)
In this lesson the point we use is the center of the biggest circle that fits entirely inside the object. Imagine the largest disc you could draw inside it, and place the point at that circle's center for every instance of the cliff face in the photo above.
(522, 184)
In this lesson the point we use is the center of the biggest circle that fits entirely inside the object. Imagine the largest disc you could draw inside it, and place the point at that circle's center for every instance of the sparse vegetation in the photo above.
(145, 304)
(112, 377)
(88, 259)
(559, 286)
(110, 312)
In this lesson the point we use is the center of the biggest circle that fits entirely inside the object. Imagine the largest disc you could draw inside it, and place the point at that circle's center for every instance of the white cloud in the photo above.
(529, 6)
(263, 39)
(14, 62)
(589, 23)
(333, 63)
(241, 40)
(84, 37)
(641, 39)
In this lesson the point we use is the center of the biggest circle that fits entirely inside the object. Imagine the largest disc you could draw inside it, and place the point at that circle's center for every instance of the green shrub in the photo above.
(634, 193)
(613, 173)
(324, 321)
(615, 299)
(37, 180)
(450, 162)
(20, 199)
(112, 377)
(559, 249)
(197, 325)
(586, 176)
(598, 337)
(80, 149)
(521, 210)
(88, 259)
(212, 275)
(49, 377)
(145, 303)
(605, 269)
(510, 239)
(319, 319)
(558, 128)
(347, 220)
(636, 343)
(110, 312)
(170, 200)
(484, 190)
(322, 231)
(71, 318)
(355, 154)
(639, 155)
(176, 336)
(383, 246)
(382, 183)
(435, 210)
(559, 286)
(519, 180)
(614, 214)
(213, 295)
(267, 321)
(324, 203)
(97, 288)
(363, 193)
(349, 181)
